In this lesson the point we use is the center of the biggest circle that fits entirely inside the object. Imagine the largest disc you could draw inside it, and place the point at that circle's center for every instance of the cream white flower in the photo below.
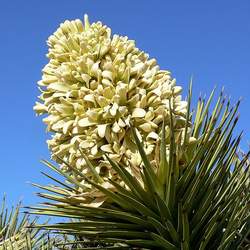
(93, 87)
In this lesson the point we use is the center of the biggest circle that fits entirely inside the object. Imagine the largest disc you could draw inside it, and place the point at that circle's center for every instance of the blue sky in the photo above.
(209, 40)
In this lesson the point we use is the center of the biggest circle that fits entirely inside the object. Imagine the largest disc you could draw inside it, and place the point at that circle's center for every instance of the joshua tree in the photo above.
(141, 170)
(17, 231)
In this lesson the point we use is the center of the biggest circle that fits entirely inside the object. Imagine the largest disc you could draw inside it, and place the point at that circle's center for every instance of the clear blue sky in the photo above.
(207, 39)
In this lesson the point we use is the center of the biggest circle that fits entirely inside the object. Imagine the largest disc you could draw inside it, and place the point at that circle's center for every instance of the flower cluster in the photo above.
(94, 86)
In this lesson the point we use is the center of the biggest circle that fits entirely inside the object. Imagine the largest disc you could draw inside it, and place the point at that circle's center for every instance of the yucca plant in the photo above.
(196, 198)
(94, 85)
(17, 231)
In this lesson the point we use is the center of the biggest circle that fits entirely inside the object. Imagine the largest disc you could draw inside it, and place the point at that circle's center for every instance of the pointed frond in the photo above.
(17, 231)
(196, 198)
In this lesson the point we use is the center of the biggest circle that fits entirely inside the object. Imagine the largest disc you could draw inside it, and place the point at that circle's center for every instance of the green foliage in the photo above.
(197, 198)
(17, 231)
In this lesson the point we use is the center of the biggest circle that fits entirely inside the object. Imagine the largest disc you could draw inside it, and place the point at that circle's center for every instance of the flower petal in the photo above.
(138, 112)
